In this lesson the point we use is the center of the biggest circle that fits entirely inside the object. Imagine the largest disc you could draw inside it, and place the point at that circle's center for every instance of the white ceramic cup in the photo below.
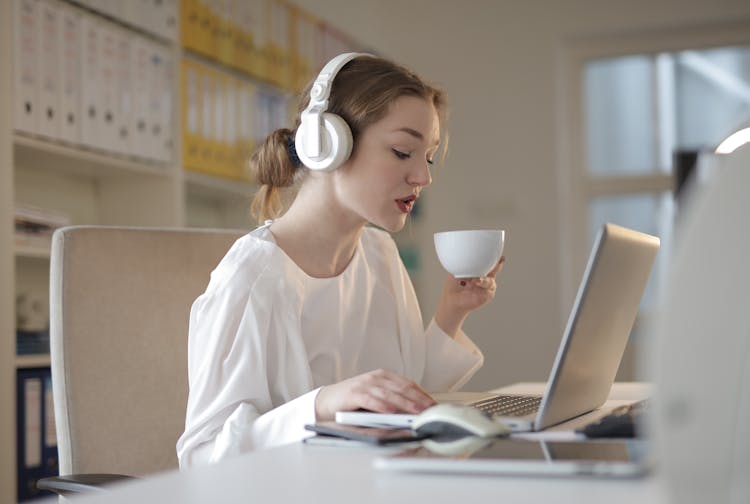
(470, 253)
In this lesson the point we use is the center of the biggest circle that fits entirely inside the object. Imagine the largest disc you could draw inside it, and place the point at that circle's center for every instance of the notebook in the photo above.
(592, 345)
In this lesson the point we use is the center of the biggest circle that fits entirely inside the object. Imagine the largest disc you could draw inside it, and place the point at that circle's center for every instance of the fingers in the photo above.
(382, 391)
(497, 268)
(487, 281)
(390, 392)
(484, 283)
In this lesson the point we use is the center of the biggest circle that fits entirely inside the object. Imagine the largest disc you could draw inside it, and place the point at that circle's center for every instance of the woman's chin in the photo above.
(392, 226)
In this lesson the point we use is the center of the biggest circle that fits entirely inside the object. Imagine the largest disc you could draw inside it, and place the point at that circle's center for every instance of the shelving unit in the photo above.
(91, 186)
(7, 266)
(32, 361)
(96, 186)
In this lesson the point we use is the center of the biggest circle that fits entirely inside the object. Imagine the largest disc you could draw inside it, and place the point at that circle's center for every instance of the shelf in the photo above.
(32, 251)
(78, 160)
(33, 360)
(201, 184)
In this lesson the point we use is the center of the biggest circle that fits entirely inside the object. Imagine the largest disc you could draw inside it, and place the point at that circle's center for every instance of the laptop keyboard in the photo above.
(509, 405)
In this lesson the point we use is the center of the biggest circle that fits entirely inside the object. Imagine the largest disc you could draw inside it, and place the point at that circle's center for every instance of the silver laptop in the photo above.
(592, 346)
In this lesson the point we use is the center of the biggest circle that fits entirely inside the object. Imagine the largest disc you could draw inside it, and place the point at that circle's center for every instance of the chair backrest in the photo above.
(119, 306)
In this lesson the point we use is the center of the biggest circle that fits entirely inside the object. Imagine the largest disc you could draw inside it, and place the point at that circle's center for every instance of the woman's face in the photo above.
(390, 164)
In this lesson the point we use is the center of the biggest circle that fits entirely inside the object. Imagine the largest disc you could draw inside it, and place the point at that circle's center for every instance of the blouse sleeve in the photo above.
(450, 362)
(446, 363)
(250, 386)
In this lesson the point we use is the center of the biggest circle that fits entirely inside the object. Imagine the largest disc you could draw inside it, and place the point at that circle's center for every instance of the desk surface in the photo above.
(309, 473)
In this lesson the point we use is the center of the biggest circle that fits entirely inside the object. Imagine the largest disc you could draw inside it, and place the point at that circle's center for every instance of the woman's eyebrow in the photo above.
(416, 134)
(412, 132)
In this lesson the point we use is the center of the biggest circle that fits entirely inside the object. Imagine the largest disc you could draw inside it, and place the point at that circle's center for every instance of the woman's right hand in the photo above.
(380, 391)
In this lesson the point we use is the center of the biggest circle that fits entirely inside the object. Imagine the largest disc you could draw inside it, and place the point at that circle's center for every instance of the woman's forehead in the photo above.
(414, 116)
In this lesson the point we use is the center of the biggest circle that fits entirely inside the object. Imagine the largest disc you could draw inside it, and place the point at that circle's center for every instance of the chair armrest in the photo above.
(80, 483)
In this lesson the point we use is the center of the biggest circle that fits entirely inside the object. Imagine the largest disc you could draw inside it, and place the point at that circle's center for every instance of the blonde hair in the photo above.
(362, 94)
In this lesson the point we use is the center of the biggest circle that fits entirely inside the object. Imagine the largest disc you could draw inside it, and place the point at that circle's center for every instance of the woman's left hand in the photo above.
(461, 296)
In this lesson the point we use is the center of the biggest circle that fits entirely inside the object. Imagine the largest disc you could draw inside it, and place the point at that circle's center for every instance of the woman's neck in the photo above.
(317, 234)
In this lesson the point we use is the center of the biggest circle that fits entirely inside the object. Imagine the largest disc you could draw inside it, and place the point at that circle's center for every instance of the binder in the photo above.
(207, 89)
(168, 19)
(190, 114)
(107, 81)
(140, 77)
(48, 69)
(164, 87)
(37, 438)
(25, 65)
(91, 102)
(70, 74)
(159, 78)
(152, 113)
(219, 148)
(123, 111)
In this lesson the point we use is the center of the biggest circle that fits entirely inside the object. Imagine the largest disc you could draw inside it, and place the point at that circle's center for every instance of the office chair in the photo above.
(119, 306)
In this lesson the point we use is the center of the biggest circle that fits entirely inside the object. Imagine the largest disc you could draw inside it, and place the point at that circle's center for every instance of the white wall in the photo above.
(500, 64)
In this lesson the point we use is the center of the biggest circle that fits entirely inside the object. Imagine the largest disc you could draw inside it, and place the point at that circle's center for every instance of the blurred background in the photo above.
(563, 116)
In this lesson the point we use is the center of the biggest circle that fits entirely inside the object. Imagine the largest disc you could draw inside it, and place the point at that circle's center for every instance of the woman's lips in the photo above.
(406, 204)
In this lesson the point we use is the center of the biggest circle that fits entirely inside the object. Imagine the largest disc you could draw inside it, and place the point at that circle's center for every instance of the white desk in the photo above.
(308, 473)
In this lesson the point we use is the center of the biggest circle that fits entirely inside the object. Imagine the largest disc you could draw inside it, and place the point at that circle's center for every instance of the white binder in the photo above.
(161, 102)
(91, 112)
(163, 21)
(140, 77)
(107, 37)
(169, 21)
(168, 104)
(123, 83)
(25, 71)
(208, 90)
(153, 111)
(70, 74)
(49, 69)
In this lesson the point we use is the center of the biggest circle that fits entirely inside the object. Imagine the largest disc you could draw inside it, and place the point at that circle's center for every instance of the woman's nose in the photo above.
(420, 175)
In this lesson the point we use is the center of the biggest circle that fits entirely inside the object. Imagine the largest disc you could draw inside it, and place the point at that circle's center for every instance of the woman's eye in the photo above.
(401, 155)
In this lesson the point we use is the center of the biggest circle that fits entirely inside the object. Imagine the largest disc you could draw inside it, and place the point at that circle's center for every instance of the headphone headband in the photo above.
(311, 117)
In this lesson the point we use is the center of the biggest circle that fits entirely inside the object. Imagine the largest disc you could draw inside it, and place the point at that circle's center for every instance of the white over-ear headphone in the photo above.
(324, 140)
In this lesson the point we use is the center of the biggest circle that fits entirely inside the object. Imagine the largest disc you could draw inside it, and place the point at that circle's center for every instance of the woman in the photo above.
(313, 312)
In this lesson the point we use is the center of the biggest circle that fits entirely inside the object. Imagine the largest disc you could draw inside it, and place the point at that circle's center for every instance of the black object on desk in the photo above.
(622, 422)
(374, 435)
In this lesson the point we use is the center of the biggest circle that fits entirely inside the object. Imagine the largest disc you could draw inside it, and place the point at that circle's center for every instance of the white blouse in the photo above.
(265, 336)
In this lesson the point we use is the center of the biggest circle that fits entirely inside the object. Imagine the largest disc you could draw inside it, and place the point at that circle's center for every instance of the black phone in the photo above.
(374, 435)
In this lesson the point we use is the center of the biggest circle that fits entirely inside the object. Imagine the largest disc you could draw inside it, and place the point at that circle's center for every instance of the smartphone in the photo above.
(374, 435)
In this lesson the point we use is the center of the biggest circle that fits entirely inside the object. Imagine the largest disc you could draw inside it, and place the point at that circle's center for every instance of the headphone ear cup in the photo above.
(336, 144)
